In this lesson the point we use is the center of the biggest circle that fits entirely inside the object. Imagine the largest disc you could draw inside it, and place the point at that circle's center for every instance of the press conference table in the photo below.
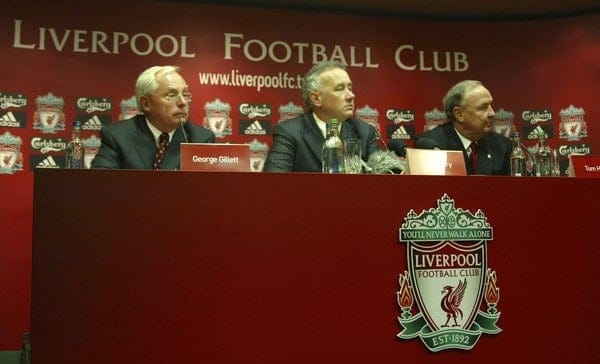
(163, 267)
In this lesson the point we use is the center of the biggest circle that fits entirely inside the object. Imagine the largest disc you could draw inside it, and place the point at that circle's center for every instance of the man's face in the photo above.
(335, 98)
(474, 119)
(166, 108)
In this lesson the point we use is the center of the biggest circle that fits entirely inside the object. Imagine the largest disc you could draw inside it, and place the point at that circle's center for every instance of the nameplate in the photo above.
(215, 157)
(435, 162)
(584, 165)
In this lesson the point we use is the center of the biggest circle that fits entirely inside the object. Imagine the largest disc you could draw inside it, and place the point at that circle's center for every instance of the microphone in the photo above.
(367, 167)
(185, 137)
(397, 146)
(384, 162)
(426, 143)
(378, 136)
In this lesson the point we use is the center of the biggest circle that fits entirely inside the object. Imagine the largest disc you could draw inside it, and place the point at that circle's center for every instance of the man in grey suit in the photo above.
(468, 107)
(164, 100)
(328, 94)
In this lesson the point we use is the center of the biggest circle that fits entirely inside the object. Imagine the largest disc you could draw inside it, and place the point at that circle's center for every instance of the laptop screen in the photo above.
(435, 162)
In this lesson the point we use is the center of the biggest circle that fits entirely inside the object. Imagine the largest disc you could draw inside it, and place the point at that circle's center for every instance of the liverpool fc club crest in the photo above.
(434, 118)
(289, 111)
(129, 108)
(572, 125)
(369, 115)
(448, 295)
(217, 118)
(49, 116)
(258, 155)
(504, 122)
(11, 157)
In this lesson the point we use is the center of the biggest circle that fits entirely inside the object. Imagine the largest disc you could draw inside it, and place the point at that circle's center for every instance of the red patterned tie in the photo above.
(163, 144)
(473, 157)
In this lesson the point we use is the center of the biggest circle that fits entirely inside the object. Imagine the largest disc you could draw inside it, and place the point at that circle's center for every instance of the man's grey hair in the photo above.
(147, 83)
(311, 81)
(455, 97)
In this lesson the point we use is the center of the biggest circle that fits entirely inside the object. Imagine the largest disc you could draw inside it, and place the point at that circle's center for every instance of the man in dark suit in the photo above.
(468, 107)
(328, 94)
(163, 98)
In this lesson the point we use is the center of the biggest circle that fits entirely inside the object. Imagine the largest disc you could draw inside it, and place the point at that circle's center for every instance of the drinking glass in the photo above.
(352, 156)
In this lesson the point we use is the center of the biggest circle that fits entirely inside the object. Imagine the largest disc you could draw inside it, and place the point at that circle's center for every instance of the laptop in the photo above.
(435, 162)
(215, 157)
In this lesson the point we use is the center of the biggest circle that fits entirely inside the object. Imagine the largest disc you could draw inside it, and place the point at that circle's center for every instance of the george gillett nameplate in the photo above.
(215, 157)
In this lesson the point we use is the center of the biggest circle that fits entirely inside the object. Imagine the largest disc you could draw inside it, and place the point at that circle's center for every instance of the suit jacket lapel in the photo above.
(453, 138)
(485, 156)
(171, 160)
(456, 144)
(143, 142)
(312, 135)
(348, 130)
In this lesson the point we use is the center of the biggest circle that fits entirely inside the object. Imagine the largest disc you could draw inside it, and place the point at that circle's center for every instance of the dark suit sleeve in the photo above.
(108, 155)
(506, 147)
(199, 134)
(368, 137)
(282, 154)
(211, 137)
(372, 144)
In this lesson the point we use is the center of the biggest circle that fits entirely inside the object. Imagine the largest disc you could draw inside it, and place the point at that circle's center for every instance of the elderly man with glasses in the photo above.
(151, 140)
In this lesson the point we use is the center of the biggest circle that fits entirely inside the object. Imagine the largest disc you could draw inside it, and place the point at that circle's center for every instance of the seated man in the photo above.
(468, 107)
(151, 140)
(328, 94)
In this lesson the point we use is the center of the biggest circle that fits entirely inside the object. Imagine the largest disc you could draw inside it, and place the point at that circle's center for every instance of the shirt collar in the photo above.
(156, 133)
(323, 125)
(466, 142)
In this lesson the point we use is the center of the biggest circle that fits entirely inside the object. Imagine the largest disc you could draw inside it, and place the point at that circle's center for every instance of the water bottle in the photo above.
(74, 151)
(26, 353)
(517, 157)
(555, 164)
(543, 157)
(333, 149)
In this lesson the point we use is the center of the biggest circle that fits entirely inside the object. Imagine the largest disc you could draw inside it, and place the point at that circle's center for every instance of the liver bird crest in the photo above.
(452, 300)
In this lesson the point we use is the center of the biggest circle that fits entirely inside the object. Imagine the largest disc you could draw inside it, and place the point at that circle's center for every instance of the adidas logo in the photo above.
(9, 119)
(49, 162)
(533, 134)
(400, 133)
(9, 116)
(92, 123)
(255, 128)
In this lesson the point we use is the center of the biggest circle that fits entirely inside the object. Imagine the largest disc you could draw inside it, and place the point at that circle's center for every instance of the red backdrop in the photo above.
(77, 53)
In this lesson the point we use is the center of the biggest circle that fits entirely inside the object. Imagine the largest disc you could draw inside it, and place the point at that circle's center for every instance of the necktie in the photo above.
(473, 157)
(161, 150)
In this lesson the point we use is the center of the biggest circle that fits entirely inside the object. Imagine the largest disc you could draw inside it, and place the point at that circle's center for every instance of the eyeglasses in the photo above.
(174, 97)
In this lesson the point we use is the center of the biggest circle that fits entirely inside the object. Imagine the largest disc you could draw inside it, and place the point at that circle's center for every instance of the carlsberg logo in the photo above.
(47, 145)
(92, 104)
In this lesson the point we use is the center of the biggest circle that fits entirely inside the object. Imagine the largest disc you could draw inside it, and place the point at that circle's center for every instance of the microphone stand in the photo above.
(378, 136)
(185, 137)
